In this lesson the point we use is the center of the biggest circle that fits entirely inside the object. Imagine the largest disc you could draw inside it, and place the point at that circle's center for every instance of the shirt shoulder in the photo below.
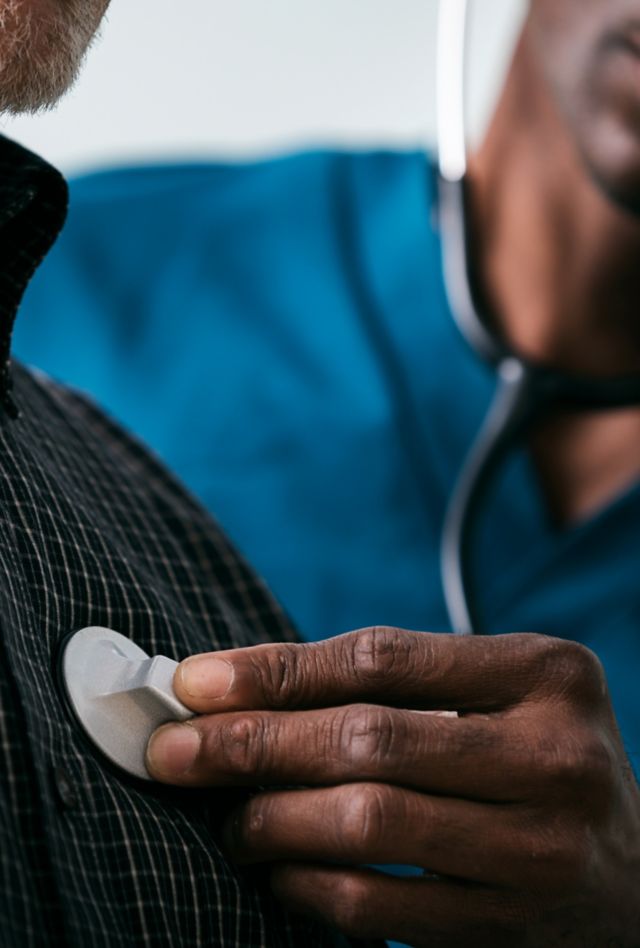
(95, 532)
(228, 224)
(259, 200)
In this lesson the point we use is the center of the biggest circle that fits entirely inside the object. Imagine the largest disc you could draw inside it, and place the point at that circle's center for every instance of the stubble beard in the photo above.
(41, 52)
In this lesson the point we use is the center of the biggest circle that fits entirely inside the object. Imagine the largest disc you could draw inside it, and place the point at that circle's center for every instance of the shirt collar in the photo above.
(33, 208)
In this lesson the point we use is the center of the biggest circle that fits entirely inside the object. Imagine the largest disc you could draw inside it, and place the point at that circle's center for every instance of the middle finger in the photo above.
(459, 756)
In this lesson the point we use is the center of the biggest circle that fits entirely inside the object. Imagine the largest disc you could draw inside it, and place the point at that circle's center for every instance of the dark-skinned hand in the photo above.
(523, 809)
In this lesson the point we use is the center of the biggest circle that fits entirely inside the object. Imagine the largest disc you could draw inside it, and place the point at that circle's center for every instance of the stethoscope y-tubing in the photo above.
(509, 416)
(525, 392)
(525, 395)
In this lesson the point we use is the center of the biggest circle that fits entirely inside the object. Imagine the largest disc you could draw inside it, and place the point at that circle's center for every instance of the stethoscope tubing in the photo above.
(507, 416)
(526, 392)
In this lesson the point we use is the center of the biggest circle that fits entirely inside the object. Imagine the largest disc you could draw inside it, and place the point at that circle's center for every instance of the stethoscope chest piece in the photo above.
(118, 694)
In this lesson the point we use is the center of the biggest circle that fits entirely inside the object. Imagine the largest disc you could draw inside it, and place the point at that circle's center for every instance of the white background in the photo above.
(189, 78)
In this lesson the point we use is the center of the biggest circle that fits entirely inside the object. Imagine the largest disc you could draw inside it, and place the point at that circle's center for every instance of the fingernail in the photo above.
(206, 677)
(172, 750)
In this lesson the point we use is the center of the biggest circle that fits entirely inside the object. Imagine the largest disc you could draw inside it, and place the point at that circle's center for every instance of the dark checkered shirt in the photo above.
(95, 532)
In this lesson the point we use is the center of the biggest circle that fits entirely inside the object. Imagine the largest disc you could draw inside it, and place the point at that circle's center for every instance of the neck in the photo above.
(558, 261)
(557, 265)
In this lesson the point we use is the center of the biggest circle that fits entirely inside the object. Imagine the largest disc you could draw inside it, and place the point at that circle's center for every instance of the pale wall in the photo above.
(200, 77)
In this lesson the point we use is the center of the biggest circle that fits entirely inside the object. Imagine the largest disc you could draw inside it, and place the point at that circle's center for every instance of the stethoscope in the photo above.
(119, 695)
(526, 391)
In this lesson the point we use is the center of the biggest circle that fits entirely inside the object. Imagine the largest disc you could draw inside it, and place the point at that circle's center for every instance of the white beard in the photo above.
(41, 52)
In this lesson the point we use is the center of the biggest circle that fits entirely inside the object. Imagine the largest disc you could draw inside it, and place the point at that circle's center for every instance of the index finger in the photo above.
(415, 670)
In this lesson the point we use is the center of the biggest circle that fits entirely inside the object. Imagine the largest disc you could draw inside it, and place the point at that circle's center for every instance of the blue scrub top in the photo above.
(279, 333)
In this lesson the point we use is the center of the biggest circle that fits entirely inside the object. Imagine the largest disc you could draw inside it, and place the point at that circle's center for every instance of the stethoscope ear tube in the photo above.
(450, 88)
(452, 221)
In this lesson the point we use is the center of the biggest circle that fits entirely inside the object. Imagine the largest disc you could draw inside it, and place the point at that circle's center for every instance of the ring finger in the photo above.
(365, 823)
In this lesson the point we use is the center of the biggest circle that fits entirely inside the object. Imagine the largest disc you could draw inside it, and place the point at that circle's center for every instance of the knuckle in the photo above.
(367, 736)
(500, 914)
(557, 763)
(536, 653)
(573, 670)
(241, 746)
(562, 858)
(379, 653)
(582, 765)
(597, 774)
(581, 672)
(352, 907)
(514, 917)
(276, 672)
(363, 818)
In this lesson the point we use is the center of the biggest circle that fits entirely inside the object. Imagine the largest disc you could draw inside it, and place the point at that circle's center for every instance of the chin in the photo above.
(42, 46)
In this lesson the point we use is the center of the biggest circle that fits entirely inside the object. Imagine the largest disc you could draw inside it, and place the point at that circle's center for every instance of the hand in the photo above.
(523, 811)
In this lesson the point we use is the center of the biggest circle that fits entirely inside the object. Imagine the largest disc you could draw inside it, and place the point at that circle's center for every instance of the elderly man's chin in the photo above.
(42, 46)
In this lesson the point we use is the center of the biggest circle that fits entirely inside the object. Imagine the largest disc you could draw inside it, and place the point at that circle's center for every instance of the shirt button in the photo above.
(65, 790)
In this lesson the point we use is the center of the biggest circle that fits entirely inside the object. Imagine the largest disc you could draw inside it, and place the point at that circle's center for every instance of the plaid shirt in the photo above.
(95, 532)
